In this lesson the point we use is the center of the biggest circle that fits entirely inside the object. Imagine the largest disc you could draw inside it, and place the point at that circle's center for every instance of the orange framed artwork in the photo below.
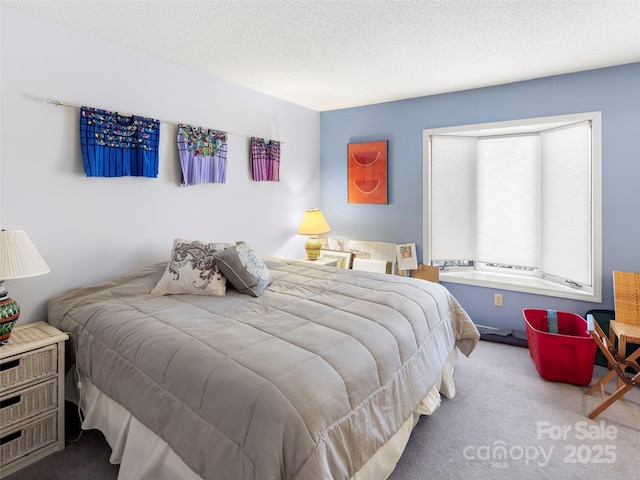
(367, 172)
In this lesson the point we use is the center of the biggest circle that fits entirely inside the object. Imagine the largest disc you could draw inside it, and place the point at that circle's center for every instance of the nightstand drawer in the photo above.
(26, 439)
(28, 367)
(28, 402)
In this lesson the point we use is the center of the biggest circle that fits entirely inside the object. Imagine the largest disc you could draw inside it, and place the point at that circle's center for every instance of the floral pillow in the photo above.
(192, 269)
(244, 268)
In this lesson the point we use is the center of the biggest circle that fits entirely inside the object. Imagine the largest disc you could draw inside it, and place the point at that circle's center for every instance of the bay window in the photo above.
(516, 205)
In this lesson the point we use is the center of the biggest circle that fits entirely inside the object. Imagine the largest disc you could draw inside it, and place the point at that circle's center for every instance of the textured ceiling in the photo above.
(334, 54)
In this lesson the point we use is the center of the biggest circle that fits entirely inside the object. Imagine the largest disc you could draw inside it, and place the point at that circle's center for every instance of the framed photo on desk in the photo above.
(406, 255)
(343, 257)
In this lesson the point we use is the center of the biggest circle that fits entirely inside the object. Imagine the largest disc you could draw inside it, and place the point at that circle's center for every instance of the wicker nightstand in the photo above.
(31, 395)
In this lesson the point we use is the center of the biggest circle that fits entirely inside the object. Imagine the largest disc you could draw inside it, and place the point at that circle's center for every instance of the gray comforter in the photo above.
(304, 382)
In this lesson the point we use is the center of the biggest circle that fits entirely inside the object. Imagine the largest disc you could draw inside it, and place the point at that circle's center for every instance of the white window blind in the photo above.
(566, 203)
(453, 186)
(507, 200)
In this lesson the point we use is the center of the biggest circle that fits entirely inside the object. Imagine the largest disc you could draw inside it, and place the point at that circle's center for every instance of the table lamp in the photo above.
(18, 259)
(313, 224)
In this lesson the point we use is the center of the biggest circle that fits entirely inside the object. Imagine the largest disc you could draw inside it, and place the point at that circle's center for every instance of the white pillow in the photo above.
(192, 269)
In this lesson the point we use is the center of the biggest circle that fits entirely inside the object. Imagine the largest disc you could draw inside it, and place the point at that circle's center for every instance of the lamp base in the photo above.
(313, 247)
(9, 313)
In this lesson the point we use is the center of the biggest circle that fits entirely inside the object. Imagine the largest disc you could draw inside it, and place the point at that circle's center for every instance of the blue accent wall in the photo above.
(614, 91)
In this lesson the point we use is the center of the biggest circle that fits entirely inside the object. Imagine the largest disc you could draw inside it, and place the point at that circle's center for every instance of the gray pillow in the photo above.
(244, 269)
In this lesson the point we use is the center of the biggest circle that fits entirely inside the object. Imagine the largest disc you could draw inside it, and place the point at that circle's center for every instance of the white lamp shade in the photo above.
(313, 223)
(19, 258)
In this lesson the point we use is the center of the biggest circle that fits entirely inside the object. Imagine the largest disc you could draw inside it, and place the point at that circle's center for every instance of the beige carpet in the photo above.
(502, 404)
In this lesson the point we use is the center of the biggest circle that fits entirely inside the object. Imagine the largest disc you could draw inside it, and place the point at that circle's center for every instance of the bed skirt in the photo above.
(142, 455)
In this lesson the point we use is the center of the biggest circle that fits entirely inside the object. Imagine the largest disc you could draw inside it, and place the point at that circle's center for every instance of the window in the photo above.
(516, 205)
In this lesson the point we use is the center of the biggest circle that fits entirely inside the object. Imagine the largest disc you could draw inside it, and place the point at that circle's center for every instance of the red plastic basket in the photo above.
(567, 356)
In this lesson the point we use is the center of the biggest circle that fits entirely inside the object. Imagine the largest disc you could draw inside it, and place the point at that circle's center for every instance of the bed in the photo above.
(321, 375)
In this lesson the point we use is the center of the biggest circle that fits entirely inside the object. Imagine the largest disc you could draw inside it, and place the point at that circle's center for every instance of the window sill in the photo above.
(536, 286)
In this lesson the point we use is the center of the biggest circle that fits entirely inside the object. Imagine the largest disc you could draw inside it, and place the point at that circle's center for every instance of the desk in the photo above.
(329, 262)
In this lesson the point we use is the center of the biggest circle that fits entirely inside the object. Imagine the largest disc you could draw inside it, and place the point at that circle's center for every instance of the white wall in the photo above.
(91, 229)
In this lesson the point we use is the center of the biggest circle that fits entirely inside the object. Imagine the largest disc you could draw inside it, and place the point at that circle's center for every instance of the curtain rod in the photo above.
(58, 103)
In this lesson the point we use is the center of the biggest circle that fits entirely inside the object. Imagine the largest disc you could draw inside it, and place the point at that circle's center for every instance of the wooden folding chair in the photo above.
(626, 327)
(625, 381)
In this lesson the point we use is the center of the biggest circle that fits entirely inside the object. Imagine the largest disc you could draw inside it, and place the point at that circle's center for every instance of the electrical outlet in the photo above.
(497, 299)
